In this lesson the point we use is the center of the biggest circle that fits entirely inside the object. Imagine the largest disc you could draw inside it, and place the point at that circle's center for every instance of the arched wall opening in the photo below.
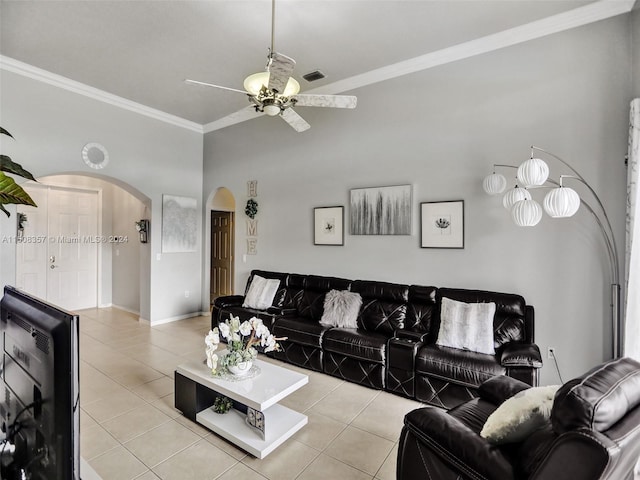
(219, 244)
(123, 262)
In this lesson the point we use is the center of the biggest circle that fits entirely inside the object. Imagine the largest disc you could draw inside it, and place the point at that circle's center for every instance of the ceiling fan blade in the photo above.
(298, 123)
(332, 101)
(280, 69)
(196, 82)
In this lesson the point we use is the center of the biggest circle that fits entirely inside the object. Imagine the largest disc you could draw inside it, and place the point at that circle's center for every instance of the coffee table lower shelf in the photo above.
(196, 390)
(283, 423)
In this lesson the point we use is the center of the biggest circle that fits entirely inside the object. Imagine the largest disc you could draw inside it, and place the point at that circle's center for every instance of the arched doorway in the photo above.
(222, 269)
(92, 257)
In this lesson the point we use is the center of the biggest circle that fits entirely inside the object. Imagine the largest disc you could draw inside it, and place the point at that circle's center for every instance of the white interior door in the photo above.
(65, 266)
(32, 247)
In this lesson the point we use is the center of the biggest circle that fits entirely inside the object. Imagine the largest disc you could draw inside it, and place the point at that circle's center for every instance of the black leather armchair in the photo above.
(594, 433)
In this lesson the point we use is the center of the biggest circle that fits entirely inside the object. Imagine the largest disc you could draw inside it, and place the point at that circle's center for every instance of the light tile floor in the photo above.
(130, 429)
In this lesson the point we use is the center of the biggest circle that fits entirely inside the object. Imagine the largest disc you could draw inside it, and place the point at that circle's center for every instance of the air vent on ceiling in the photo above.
(313, 76)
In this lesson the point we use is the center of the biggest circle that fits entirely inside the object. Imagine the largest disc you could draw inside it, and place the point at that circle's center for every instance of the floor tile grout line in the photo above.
(163, 460)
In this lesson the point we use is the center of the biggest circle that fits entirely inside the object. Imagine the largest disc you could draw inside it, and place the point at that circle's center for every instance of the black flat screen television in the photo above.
(39, 393)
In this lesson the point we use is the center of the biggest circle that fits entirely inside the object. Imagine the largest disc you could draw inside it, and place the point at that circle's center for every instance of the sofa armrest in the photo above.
(521, 355)
(457, 446)
(282, 312)
(229, 301)
(410, 335)
(499, 388)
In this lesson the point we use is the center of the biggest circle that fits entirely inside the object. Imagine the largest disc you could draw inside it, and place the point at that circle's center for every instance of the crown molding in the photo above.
(593, 12)
(242, 115)
(15, 66)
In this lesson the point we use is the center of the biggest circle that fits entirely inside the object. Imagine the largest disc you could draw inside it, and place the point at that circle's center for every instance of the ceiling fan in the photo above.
(275, 92)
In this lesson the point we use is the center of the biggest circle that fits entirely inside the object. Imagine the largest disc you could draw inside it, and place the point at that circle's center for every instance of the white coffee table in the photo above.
(196, 389)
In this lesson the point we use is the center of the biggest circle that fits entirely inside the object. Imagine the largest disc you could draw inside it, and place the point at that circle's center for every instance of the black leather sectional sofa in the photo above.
(394, 347)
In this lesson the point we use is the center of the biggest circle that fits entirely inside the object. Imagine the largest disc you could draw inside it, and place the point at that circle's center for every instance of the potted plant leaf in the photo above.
(10, 191)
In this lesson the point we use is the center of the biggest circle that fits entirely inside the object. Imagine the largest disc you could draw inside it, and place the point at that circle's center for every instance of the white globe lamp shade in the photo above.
(533, 172)
(526, 213)
(254, 83)
(561, 202)
(494, 184)
(271, 110)
(515, 195)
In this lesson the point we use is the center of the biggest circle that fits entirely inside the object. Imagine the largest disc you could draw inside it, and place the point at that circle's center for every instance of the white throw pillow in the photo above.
(468, 326)
(341, 309)
(520, 416)
(261, 293)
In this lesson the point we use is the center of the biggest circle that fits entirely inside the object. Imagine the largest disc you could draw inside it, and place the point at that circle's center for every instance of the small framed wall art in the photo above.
(328, 226)
(442, 224)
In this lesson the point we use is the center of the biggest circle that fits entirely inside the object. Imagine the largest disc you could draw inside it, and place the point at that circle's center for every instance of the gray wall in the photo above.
(126, 255)
(440, 130)
(635, 48)
(148, 158)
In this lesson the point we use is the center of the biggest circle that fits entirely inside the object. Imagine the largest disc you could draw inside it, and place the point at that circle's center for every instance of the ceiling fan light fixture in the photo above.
(271, 110)
(253, 84)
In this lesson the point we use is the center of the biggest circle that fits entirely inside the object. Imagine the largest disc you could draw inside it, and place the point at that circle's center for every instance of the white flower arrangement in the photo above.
(241, 339)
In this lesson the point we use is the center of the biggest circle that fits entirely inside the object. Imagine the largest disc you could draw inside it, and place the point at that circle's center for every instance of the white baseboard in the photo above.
(173, 319)
(86, 472)
(120, 307)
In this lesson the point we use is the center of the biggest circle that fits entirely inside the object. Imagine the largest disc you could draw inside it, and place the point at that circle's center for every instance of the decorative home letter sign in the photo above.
(252, 246)
(252, 188)
(252, 224)
(252, 227)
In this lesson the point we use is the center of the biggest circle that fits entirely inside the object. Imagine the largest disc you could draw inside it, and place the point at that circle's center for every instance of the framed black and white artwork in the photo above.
(179, 224)
(442, 224)
(381, 210)
(328, 226)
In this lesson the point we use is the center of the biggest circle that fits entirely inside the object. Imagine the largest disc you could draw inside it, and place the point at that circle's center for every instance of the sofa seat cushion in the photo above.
(299, 330)
(458, 366)
(356, 343)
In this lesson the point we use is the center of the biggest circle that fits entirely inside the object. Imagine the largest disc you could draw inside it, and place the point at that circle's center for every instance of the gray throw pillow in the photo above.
(261, 293)
(341, 309)
(467, 326)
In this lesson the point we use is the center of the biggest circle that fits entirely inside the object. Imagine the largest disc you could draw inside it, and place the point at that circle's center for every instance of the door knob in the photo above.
(52, 266)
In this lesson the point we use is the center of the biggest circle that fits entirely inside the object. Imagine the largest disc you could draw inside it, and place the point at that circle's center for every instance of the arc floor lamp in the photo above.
(560, 202)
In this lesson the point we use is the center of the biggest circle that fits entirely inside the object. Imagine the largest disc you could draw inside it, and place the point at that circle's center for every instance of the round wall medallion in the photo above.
(95, 155)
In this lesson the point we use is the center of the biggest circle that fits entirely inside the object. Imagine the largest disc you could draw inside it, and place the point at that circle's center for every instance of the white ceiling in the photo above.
(142, 50)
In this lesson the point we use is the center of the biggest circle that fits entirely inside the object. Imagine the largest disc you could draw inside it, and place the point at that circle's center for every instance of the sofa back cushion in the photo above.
(384, 306)
(421, 309)
(598, 399)
(310, 301)
(278, 299)
(509, 319)
(295, 288)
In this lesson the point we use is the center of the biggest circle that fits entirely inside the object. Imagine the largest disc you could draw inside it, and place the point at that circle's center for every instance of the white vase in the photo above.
(241, 368)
